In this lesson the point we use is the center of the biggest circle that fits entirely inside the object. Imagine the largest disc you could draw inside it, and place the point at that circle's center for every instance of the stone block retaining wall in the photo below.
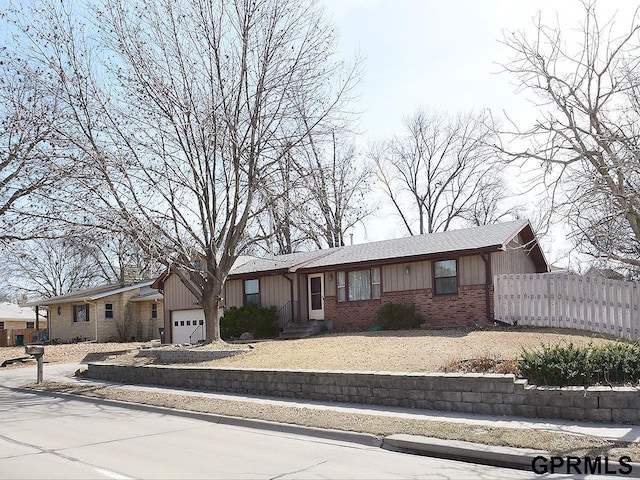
(180, 355)
(471, 393)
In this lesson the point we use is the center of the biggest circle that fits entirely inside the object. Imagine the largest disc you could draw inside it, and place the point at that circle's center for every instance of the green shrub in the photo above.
(555, 365)
(615, 363)
(261, 322)
(567, 364)
(394, 316)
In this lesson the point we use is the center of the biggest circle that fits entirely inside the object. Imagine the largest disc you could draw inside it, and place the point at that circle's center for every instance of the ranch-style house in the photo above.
(448, 276)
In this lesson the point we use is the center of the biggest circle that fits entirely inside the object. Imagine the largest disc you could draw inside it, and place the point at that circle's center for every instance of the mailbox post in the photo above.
(38, 352)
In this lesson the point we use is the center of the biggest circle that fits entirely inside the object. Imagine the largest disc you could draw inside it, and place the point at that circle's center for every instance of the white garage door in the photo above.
(188, 326)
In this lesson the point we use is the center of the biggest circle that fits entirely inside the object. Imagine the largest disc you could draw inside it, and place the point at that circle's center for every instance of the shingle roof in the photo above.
(487, 237)
(90, 294)
(278, 262)
(477, 238)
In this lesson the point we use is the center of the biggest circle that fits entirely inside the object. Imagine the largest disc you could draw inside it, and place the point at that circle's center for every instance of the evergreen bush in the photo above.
(261, 322)
(568, 364)
(395, 316)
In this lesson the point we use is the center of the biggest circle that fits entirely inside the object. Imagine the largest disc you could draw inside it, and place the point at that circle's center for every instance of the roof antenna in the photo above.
(351, 235)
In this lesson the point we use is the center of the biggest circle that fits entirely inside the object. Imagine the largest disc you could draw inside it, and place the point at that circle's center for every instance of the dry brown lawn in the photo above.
(401, 351)
(74, 352)
(398, 351)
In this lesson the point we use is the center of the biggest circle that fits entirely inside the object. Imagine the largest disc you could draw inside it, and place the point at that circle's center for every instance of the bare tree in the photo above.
(585, 141)
(48, 268)
(440, 171)
(182, 111)
(338, 184)
(28, 146)
(117, 258)
(326, 194)
(285, 198)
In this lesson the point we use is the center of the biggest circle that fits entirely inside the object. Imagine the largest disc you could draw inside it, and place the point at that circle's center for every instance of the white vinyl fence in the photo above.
(569, 301)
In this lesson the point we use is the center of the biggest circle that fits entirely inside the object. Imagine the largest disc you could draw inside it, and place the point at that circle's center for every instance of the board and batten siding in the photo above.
(274, 290)
(177, 296)
(514, 260)
(233, 293)
(471, 270)
(396, 279)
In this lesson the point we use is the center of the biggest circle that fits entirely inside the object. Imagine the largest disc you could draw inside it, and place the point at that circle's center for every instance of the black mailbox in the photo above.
(34, 350)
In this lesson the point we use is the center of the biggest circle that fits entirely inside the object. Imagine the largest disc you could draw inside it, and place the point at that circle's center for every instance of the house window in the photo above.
(108, 310)
(81, 313)
(341, 286)
(1, 325)
(358, 285)
(31, 325)
(445, 274)
(252, 291)
(154, 310)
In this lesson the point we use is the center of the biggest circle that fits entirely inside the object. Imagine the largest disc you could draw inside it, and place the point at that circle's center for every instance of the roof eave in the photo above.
(407, 259)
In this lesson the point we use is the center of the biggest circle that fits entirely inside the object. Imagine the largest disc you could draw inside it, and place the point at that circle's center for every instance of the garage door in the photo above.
(188, 326)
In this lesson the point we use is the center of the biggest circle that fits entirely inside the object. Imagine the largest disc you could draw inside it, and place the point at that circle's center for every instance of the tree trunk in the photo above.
(212, 314)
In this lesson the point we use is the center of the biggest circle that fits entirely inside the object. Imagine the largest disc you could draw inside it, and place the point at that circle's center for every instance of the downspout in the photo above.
(486, 258)
(290, 280)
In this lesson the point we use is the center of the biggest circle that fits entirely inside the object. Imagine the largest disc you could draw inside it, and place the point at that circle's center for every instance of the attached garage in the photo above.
(188, 326)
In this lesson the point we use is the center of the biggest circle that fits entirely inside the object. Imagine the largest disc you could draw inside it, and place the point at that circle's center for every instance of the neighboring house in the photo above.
(448, 276)
(109, 313)
(13, 316)
(609, 273)
(20, 325)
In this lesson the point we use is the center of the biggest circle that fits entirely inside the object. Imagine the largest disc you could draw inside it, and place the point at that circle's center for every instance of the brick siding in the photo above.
(466, 308)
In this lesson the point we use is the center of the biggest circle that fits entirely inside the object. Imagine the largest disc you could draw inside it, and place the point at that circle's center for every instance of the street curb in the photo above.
(498, 456)
(366, 439)
(470, 452)
(508, 457)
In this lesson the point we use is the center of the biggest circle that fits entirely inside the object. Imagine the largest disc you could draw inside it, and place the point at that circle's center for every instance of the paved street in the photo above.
(48, 437)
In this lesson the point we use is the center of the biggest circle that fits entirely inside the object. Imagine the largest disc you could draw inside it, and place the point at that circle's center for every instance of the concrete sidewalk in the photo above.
(622, 433)
(471, 452)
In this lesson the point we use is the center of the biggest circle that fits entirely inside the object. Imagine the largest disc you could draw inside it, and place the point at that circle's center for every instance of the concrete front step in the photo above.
(296, 331)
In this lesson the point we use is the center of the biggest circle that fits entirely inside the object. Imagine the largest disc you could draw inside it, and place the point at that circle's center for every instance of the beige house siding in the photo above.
(395, 278)
(514, 260)
(177, 296)
(19, 324)
(62, 326)
(471, 270)
(127, 316)
(144, 326)
(274, 290)
(233, 293)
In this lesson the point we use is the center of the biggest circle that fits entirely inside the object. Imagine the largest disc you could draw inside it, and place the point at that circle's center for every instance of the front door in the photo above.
(316, 296)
